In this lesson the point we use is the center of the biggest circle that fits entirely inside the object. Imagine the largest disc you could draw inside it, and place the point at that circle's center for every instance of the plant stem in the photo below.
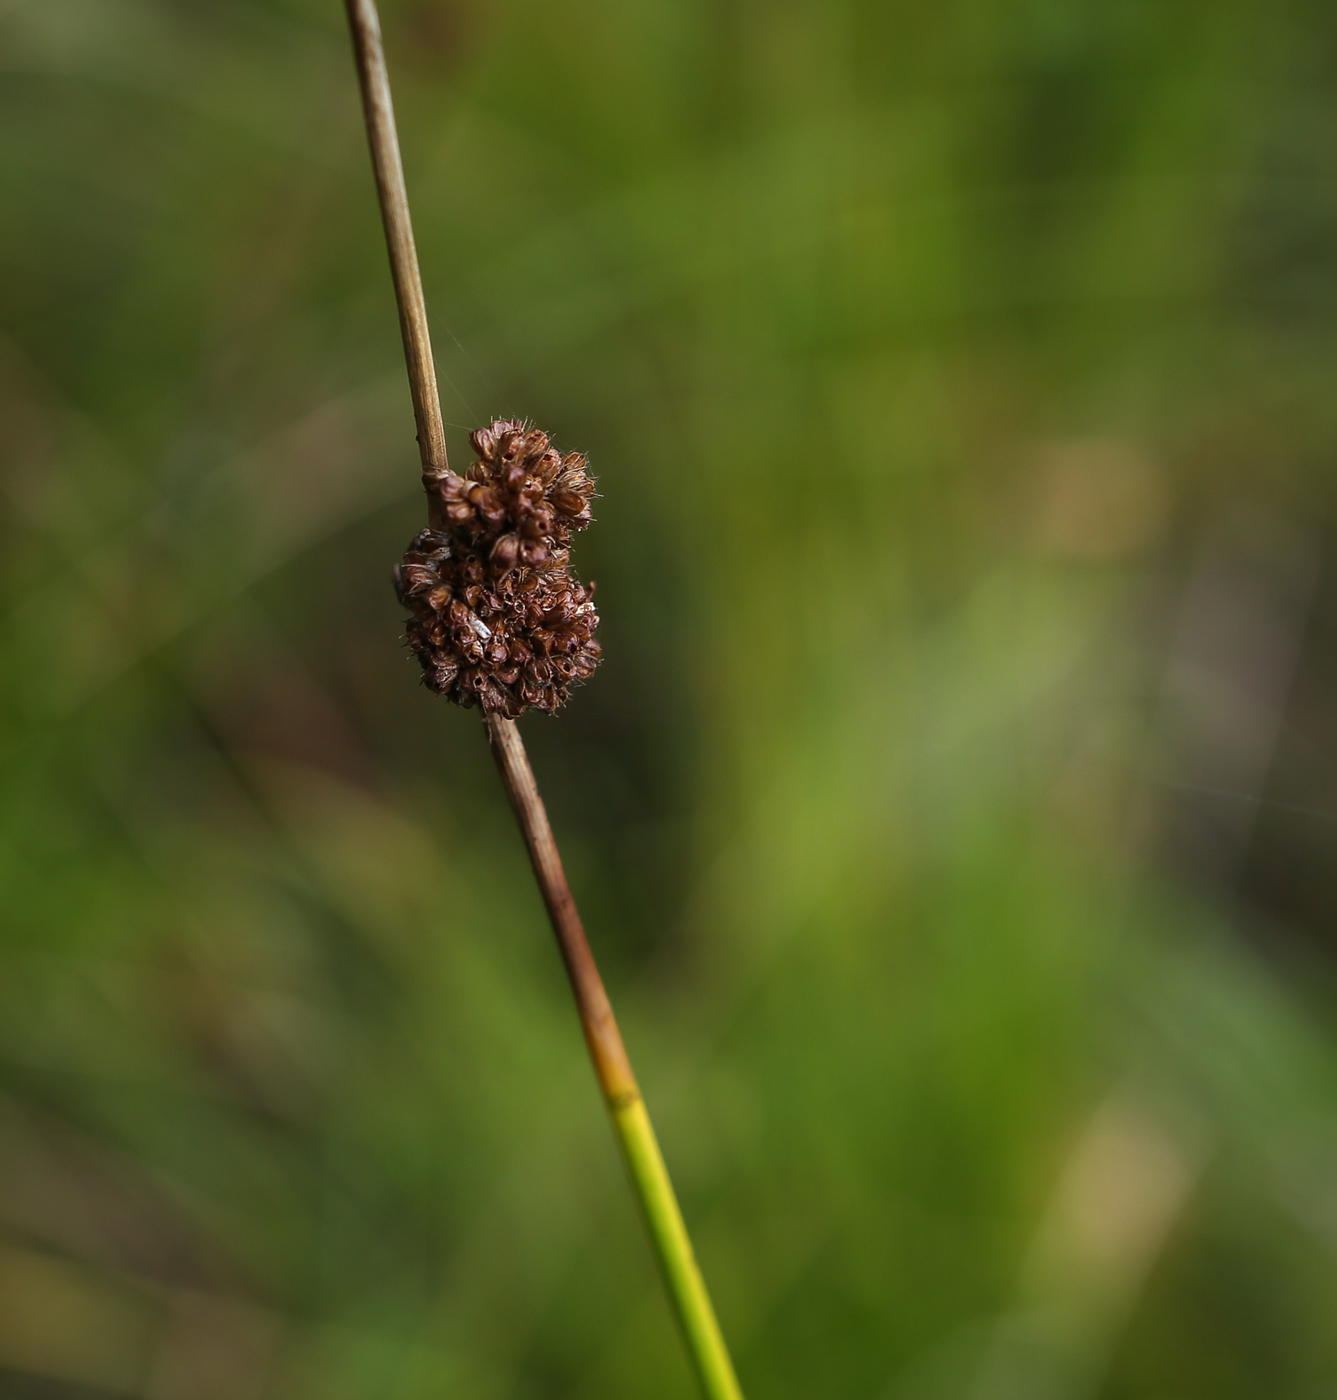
(631, 1122)
(393, 197)
(626, 1108)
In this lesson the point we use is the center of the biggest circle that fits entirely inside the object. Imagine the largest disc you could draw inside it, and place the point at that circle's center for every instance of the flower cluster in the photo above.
(497, 619)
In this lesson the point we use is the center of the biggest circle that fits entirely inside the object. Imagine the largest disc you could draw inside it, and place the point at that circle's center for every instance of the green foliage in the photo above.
(917, 350)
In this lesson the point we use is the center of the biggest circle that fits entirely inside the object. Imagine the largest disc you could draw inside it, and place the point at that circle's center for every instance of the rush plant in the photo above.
(498, 622)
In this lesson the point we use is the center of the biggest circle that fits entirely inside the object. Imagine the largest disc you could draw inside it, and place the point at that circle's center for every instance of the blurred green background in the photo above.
(954, 813)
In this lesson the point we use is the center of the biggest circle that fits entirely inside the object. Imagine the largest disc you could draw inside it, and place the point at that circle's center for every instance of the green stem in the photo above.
(673, 1248)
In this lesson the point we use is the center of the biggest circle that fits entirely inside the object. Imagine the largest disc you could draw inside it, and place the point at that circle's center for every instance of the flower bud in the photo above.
(505, 550)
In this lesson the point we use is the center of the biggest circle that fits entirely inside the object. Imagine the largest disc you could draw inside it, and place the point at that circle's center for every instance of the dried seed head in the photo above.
(497, 619)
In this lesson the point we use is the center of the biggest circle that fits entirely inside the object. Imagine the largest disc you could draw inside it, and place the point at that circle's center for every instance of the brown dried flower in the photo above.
(498, 620)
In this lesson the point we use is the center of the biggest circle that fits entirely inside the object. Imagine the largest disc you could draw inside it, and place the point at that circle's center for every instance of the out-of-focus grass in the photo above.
(958, 383)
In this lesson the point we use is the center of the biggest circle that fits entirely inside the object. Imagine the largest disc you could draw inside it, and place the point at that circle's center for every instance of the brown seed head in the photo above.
(497, 619)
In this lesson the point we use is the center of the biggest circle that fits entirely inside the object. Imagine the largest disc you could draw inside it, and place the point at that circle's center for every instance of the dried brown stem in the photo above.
(596, 1015)
(394, 201)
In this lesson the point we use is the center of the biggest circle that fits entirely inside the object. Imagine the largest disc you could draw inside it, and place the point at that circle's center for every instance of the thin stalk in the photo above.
(622, 1097)
(631, 1123)
(392, 194)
